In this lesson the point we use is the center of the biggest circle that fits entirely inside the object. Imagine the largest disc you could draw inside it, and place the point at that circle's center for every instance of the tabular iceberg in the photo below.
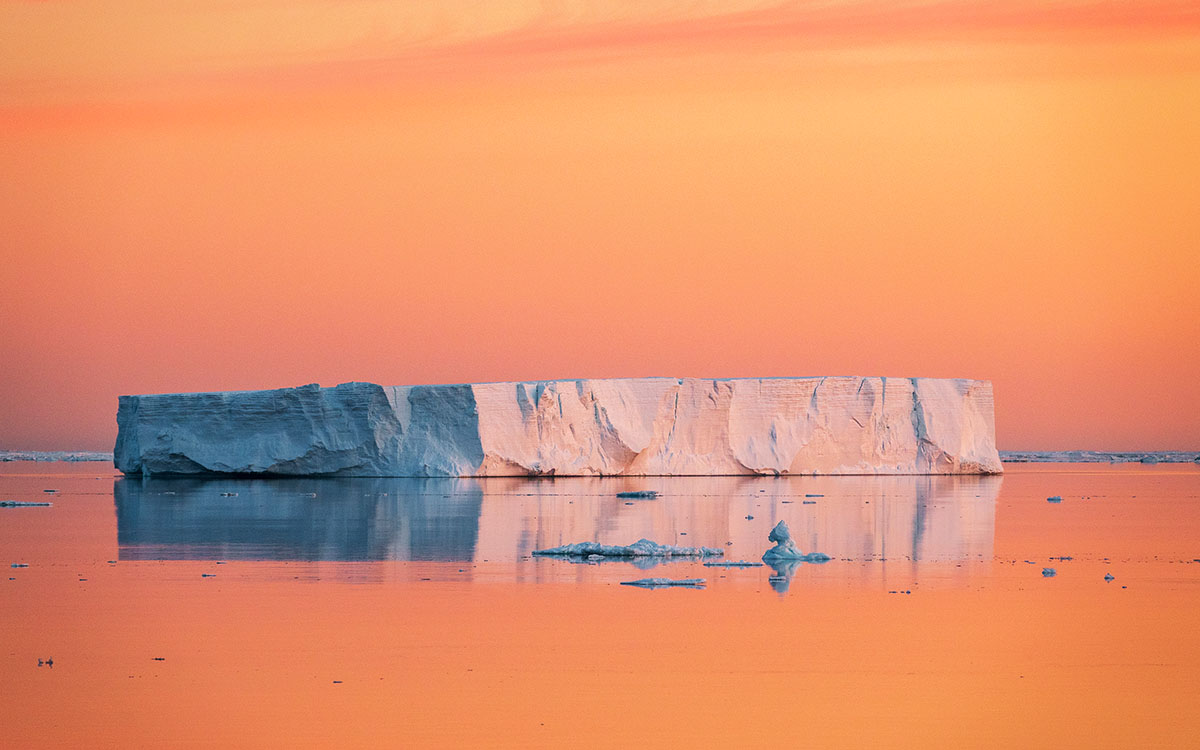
(627, 426)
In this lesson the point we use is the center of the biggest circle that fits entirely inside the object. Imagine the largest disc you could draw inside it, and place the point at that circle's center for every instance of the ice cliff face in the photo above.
(634, 426)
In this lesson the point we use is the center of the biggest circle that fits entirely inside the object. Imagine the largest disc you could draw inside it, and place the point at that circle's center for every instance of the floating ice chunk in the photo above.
(20, 565)
(786, 549)
(654, 583)
(640, 548)
(22, 504)
(1109, 577)
(1054, 499)
(1049, 572)
(638, 494)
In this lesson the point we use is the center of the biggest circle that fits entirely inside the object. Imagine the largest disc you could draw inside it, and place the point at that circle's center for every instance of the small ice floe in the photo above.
(1049, 572)
(1054, 499)
(733, 564)
(1064, 558)
(19, 565)
(22, 504)
(638, 495)
(1109, 577)
(785, 557)
(208, 575)
(809, 502)
(813, 494)
(52, 492)
(786, 549)
(229, 494)
(657, 583)
(640, 548)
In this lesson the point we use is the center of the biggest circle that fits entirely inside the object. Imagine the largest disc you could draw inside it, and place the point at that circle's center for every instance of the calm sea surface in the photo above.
(409, 613)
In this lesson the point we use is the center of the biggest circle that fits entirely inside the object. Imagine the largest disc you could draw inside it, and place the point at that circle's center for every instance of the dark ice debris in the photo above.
(1109, 577)
(22, 504)
(638, 494)
(655, 583)
(810, 502)
(733, 564)
(1054, 499)
(20, 565)
(208, 575)
(813, 494)
(1049, 572)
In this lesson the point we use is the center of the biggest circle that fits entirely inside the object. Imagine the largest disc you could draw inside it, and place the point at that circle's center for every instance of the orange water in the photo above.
(330, 621)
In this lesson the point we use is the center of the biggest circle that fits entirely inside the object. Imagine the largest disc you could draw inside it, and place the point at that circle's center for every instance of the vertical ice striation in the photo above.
(630, 426)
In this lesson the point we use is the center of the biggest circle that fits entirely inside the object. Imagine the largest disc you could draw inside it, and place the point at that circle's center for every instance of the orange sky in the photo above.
(209, 196)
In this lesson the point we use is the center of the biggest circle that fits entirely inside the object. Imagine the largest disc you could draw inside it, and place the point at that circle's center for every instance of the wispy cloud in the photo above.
(97, 50)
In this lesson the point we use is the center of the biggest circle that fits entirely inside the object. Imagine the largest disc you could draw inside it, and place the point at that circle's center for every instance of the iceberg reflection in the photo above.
(919, 518)
(297, 519)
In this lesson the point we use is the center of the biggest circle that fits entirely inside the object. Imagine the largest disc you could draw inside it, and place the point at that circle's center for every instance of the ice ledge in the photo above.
(631, 426)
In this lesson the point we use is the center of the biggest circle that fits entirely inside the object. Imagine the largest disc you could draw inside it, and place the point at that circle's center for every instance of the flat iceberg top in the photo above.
(622, 426)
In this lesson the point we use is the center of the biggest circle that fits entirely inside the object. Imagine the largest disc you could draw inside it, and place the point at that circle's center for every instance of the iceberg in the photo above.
(628, 426)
